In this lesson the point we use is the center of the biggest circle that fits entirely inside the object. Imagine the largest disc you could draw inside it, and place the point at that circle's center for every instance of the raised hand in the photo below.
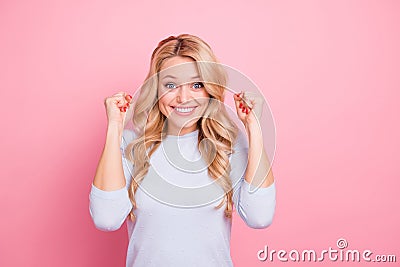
(249, 107)
(116, 106)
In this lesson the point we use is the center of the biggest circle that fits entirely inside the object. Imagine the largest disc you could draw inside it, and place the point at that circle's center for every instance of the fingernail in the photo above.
(129, 96)
(240, 105)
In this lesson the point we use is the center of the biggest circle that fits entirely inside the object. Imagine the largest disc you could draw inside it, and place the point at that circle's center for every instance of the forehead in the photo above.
(182, 68)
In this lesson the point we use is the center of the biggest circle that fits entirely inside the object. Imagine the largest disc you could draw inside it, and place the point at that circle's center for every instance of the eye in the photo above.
(170, 85)
(197, 85)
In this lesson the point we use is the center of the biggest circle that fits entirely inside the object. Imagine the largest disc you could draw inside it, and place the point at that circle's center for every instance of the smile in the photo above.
(184, 110)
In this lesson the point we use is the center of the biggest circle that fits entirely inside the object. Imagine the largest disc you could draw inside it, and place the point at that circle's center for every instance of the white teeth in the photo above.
(184, 110)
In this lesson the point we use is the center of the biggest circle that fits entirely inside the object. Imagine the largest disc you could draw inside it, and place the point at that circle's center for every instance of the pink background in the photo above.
(329, 70)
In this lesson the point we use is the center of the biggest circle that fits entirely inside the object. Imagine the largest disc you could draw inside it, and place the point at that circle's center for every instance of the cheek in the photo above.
(205, 102)
(162, 106)
(165, 96)
(205, 93)
(204, 98)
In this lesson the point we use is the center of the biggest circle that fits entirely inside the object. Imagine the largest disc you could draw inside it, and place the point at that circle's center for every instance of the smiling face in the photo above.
(182, 96)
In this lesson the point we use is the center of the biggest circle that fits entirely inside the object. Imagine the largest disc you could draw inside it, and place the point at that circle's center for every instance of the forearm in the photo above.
(109, 173)
(258, 171)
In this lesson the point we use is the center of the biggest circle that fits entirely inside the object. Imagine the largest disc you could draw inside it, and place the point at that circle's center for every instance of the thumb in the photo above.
(237, 98)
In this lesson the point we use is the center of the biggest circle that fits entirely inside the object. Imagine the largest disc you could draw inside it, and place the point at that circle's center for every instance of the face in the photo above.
(182, 97)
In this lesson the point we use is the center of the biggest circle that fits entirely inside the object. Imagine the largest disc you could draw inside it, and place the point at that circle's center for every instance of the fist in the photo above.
(116, 106)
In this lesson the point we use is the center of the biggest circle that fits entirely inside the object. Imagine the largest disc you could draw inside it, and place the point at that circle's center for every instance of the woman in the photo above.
(185, 165)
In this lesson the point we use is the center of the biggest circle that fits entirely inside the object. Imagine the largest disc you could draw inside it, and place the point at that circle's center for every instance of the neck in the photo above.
(182, 131)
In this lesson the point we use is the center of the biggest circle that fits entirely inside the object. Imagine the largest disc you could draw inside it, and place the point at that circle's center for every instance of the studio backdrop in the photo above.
(329, 71)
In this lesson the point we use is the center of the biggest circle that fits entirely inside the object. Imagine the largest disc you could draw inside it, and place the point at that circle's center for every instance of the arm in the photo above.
(255, 197)
(109, 173)
(109, 199)
(259, 171)
(249, 108)
(255, 207)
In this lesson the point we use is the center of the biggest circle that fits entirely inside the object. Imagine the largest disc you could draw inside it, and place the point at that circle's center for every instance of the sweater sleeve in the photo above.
(255, 207)
(109, 209)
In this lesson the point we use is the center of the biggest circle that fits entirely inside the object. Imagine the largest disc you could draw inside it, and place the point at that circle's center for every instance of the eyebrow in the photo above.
(173, 77)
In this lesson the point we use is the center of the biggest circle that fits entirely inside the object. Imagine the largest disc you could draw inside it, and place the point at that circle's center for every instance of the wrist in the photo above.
(253, 129)
(114, 128)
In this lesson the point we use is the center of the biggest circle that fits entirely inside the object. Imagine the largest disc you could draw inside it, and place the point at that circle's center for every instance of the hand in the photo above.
(249, 107)
(116, 106)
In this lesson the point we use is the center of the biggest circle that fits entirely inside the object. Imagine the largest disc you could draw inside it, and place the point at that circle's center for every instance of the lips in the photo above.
(184, 110)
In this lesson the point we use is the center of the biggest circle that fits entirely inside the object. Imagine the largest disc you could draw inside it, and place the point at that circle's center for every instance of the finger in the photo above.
(128, 98)
(118, 98)
(236, 96)
(243, 97)
(113, 100)
(242, 104)
(247, 99)
(238, 100)
(122, 99)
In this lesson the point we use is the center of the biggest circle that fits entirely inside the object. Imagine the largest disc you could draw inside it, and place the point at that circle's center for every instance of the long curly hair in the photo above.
(215, 124)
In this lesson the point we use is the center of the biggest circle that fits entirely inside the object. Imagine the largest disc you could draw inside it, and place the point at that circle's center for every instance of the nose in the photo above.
(183, 93)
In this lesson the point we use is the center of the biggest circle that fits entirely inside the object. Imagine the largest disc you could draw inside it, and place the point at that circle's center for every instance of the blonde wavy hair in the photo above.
(214, 125)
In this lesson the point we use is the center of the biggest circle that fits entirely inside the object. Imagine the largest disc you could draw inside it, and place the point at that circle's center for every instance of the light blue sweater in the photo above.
(177, 223)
